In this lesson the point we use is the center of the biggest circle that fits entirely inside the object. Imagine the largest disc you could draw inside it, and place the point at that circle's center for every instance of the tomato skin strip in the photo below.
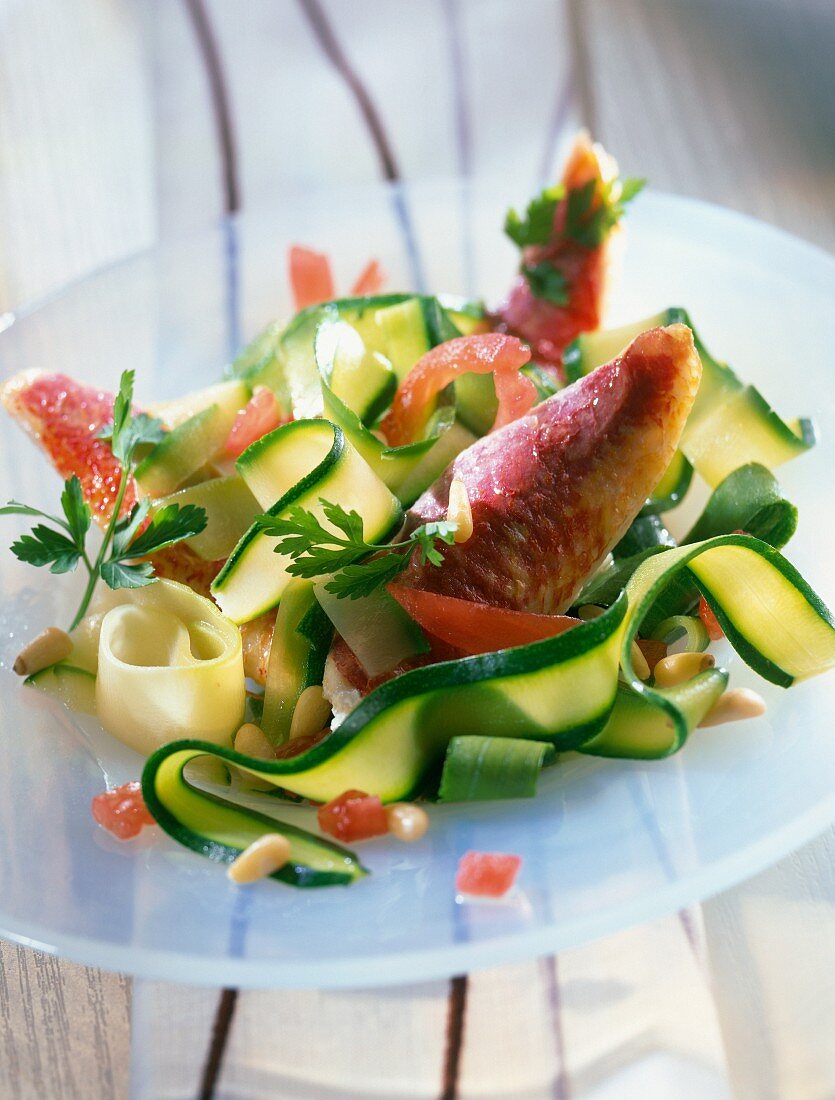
(369, 281)
(311, 278)
(475, 627)
(261, 415)
(485, 353)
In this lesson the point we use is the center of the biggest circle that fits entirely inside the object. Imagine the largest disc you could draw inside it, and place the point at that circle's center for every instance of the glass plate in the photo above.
(607, 843)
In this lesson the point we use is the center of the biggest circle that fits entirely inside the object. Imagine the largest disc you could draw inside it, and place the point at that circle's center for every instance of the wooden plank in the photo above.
(63, 1029)
(171, 1033)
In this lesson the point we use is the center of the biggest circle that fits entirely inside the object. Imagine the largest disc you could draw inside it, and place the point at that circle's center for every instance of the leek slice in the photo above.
(168, 664)
(563, 690)
(477, 769)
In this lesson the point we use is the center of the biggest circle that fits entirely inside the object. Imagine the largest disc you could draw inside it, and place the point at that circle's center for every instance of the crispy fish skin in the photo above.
(64, 417)
(552, 493)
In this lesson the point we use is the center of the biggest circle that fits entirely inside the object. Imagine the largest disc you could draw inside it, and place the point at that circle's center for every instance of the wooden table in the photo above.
(121, 122)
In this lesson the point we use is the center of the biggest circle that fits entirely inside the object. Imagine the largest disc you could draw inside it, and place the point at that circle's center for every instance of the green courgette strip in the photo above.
(730, 423)
(221, 830)
(749, 499)
(563, 690)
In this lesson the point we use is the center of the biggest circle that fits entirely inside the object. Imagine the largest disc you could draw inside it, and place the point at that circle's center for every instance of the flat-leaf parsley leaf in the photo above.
(125, 539)
(354, 567)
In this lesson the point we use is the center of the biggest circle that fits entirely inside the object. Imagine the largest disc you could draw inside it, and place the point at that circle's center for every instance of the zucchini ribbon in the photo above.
(564, 691)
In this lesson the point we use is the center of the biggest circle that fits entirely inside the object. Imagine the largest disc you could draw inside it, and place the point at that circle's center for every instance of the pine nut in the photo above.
(252, 741)
(311, 712)
(459, 510)
(590, 611)
(49, 647)
(734, 706)
(266, 854)
(406, 821)
(639, 662)
(679, 667)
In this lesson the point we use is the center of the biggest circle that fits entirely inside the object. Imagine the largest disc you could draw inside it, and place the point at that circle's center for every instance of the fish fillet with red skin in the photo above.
(64, 418)
(552, 493)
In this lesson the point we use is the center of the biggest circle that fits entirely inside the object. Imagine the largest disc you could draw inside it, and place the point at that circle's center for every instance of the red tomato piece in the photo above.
(260, 415)
(486, 353)
(487, 874)
(353, 816)
(653, 651)
(370, 280)
(122, 810)
(714, 630)
(476, 627)
(299, 745)
(311, 279)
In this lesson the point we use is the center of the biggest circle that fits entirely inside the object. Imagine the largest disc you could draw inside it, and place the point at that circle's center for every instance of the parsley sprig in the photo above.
(591, 213)
(587, 226)
(590, 227)
(547, 282)
(63, 545)
(537, 225)
(354, 567)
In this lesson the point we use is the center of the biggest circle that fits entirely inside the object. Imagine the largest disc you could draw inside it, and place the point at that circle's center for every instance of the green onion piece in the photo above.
(686, 628)
(477, 769)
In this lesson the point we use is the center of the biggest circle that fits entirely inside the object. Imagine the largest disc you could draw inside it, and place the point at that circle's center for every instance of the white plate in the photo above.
(607, 843)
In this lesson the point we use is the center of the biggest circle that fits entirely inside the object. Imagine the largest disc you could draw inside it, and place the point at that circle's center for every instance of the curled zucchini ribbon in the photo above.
(301, 463)
(168, 663)
(564, 690)
(731, 424)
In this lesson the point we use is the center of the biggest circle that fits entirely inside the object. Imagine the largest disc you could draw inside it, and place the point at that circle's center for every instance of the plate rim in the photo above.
(429, 963)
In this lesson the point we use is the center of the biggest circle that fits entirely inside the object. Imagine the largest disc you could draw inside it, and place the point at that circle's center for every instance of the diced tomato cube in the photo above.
(355, 815)
(261, 415)
(714, 630)
(122, 810)
(487, 874)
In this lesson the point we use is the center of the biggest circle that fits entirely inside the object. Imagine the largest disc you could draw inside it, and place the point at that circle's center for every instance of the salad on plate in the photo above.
(411, 548)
